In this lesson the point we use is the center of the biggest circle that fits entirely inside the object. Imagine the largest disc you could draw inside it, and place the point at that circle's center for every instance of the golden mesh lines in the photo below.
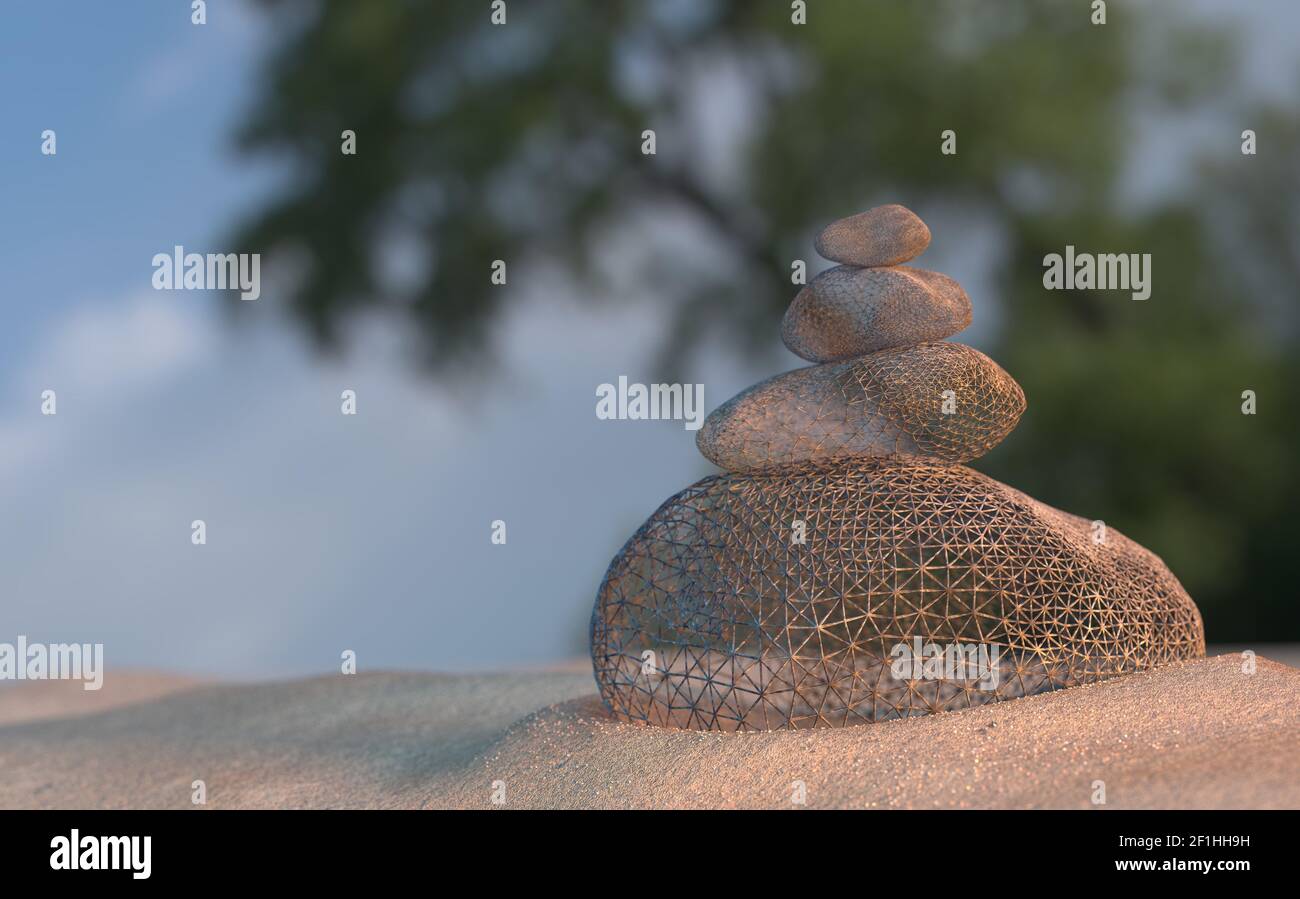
(849, 311)
(886, 235)
(749, 630)
(888, 403)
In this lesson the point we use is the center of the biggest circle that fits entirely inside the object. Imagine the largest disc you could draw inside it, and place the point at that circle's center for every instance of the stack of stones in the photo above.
(846, 538)
(875, 324)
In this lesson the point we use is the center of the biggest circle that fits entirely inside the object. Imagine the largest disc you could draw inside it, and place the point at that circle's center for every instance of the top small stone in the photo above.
(886, 235)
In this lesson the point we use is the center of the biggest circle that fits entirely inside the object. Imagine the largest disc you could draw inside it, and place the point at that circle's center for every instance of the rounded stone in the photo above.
(848, 311)
(943, 401)
(714, 616)
(885, 235)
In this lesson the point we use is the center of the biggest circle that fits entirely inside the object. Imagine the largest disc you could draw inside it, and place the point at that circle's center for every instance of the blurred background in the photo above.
(476, 402)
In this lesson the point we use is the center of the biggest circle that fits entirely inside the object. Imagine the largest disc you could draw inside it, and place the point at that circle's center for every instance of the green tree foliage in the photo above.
(480, 142)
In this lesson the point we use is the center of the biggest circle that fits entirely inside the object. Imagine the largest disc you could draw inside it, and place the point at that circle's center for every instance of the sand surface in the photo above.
(34, 700)
(1195, 734)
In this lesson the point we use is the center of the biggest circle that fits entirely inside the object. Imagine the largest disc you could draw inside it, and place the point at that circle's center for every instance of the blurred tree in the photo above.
(479, 142)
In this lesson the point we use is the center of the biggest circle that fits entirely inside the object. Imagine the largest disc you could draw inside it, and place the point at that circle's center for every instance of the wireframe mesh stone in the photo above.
(712, 617)
(887, 403)
(885, 235)
(849, 311)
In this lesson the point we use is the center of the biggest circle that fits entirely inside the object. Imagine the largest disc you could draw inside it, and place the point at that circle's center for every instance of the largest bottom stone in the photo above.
(783, 599)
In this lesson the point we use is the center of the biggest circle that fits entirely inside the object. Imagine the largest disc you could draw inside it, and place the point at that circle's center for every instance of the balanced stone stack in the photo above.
(846, 537)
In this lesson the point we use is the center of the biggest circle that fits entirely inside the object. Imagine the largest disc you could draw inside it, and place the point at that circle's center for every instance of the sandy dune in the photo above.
(33, 700)
(1195, 734)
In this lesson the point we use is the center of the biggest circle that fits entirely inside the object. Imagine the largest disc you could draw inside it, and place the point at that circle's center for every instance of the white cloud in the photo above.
(102, 348)
(93, 358)
(194, 53)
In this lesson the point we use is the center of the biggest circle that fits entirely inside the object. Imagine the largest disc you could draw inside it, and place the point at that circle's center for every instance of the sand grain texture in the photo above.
(32, 700)
(1193, 734)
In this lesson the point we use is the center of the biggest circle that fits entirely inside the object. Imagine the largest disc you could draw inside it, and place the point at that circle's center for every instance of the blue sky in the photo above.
(326, 533)
(144, 149)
